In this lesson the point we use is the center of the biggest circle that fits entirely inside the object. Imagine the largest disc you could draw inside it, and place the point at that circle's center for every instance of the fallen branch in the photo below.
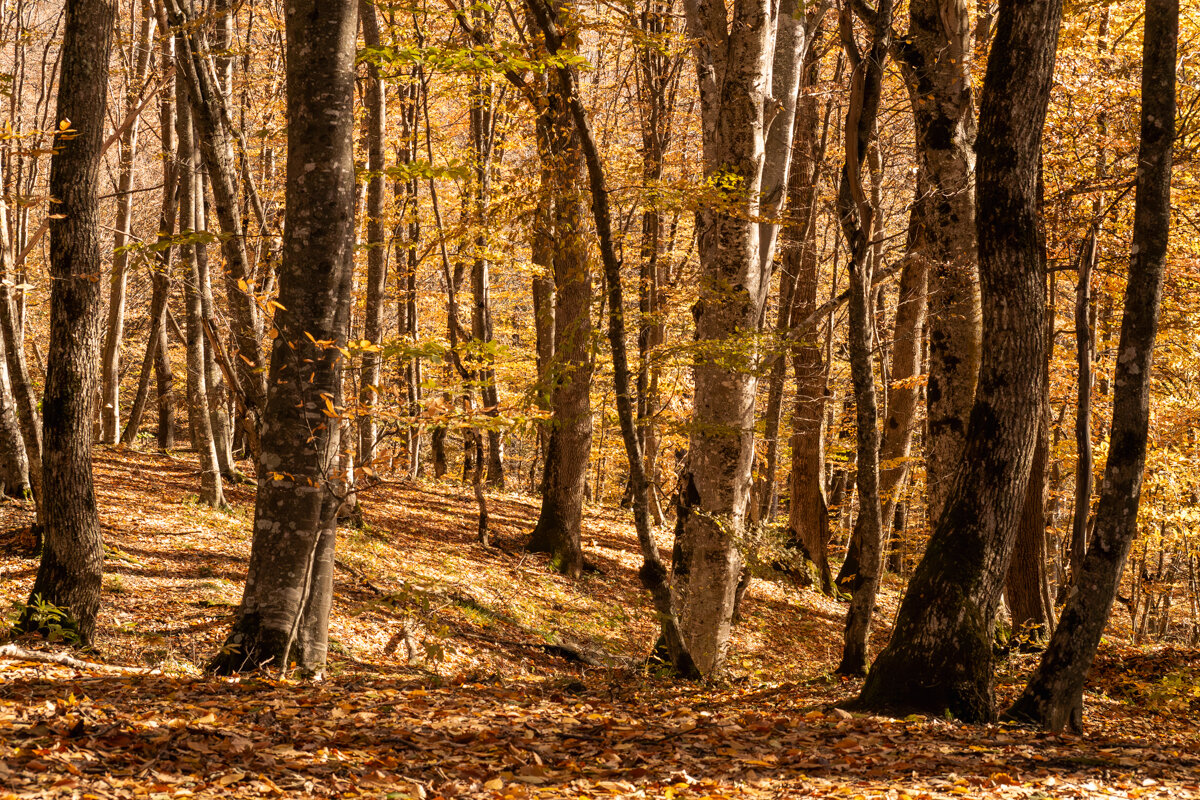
(15, 653)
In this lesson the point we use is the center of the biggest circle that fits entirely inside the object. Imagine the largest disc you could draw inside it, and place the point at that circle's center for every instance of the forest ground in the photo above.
(454, 672)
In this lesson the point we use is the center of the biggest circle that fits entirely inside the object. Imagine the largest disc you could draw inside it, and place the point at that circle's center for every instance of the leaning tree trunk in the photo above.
(1054, 696)
(284, 614)
(110, 385)
(69, 574)
(558, 527)
(939, 658)
(937, 56)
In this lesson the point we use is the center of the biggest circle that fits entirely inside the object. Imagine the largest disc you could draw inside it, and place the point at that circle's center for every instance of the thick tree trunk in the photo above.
(939, 658)
(937, 55)
(69, 574)
(370, 373)
(558, 527)
(746, 158)
(1054, 696)
(284, 614)
(110, 385)
(199, 420)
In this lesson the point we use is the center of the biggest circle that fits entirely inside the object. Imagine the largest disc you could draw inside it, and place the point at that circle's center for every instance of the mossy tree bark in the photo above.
(939, 658)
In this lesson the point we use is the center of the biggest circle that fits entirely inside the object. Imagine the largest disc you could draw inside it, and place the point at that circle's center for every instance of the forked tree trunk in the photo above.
(1054, 697)
(284, 614)
(939, 658)
(69, 573)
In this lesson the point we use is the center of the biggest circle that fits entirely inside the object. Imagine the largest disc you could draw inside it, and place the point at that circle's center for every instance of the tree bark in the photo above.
(937, 56)
(14, 464)
(558, 527)
(1054, 697)
(69, 573)
(199, 419)
(1025, 584)
(939, 658)
(370, 372)
(284, 614)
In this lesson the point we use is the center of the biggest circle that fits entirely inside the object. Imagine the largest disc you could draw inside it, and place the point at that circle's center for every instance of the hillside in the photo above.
(459, 670)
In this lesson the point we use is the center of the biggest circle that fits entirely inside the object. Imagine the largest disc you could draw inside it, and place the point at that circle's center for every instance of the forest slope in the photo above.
(464, 671)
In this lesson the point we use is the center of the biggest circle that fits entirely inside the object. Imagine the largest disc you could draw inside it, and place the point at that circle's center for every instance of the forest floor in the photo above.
(452, 675)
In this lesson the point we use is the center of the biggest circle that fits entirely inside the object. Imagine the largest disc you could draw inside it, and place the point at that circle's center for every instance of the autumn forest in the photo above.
(613, 398)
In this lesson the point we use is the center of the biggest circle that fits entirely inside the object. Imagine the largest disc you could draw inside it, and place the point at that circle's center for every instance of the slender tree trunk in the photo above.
(1054, 696)
(284, 614)
(857, 215)
(1085, 348)
(69, 574)
(1024, 585)
(199, 421)
(110, 394)
(215, 387)
(542, 255)
(370, 373)
(14, 464)
(939, 657)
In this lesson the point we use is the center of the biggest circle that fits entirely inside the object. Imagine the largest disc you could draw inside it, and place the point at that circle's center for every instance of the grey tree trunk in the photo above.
(937, 56)
(858, 215)
(371, 372)
(748, 60)
(1054, 696)
(14, 464)
(110, 365)
(199, 420)
(939, 658)
(284, 614)
(69, 574)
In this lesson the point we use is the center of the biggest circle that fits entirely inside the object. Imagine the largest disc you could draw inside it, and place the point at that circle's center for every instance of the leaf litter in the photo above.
(454, 673)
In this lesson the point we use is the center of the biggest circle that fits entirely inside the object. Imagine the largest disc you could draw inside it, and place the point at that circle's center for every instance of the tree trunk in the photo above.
(903, 391)
(746, 158)
(1025, 584)
(558, 527)
(199, 420)
(284, 614)
(69, 574)
(110, 386)
(1085, 349)
(1054, 697)
(370, 372)
(937, 54)
(939, 658)
(14, 464)
(858, 215)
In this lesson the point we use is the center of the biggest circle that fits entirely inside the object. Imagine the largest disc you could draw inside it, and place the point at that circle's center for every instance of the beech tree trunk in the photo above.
(748, 60)
(1054, 697)
(14, 464)
(937, 56)
(939, 658)
(370, 373)
(858, 216)
(199, 419)
(558, 527)
(284, 614)
(69, 574)
(29, 419)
